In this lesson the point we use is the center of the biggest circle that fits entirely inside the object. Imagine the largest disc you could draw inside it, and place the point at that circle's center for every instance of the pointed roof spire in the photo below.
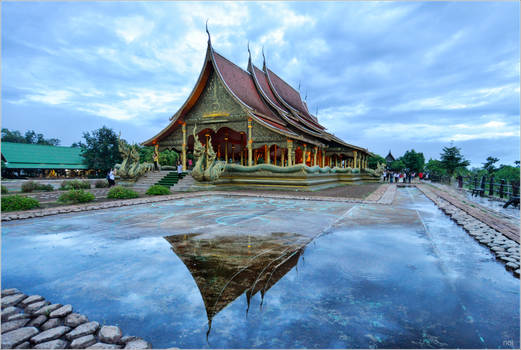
(207, 32)
(263, 59)
(299, 86)
(249, 53)
(306, 97)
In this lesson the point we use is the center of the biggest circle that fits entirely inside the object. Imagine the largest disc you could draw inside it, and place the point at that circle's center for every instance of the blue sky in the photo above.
(383, 75)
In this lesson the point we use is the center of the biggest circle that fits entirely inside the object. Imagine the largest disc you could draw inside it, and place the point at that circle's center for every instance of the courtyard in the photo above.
(240, 271)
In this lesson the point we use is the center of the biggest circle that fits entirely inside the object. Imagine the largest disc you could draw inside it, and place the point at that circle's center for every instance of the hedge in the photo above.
(120, 192)
(17, 202)
(157, 190)
(76, 196)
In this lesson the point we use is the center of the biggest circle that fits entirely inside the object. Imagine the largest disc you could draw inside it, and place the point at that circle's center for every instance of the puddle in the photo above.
(259, 273)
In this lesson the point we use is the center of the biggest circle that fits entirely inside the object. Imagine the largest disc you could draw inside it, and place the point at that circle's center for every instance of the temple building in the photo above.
(252, 117)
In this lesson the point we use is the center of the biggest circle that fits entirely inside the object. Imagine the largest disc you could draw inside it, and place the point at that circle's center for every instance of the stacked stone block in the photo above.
(31, 322)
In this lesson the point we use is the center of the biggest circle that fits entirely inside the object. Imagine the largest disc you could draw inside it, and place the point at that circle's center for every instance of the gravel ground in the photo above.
(348, 191)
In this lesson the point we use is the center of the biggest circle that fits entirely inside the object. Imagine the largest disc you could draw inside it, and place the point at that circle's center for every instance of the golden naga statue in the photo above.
(206, 168)
(130, 168)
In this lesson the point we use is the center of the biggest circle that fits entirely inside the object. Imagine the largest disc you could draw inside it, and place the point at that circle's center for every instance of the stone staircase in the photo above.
(149, 179)
(184, 184)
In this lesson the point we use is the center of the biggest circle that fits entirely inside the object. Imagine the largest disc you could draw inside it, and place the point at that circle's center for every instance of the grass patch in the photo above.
(74, 185)
(31, 186)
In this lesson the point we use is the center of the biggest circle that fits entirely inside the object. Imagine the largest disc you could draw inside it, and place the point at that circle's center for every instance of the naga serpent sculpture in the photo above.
(206, 168)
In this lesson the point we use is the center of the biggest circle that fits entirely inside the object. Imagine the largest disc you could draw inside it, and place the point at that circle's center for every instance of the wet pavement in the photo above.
(271, 273)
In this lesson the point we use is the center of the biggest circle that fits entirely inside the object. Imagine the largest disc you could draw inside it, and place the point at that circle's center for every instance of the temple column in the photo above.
(355, 153)
(183, 152)
(323, 158)
(282, 157)
(314, 156)
(206, 156)
(242, 157)
(250, 142)
(290, 152)
(275, 155)
(226, 149)
(304, 154)
(267, 154)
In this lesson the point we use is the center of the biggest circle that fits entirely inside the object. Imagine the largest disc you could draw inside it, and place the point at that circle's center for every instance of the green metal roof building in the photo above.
(30, 156)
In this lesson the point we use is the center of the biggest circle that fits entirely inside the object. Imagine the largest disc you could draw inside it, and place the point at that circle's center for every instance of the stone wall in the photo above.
(31, 322)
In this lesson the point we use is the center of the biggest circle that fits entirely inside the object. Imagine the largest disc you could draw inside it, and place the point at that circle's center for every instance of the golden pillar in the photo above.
(290, 152)
(323, 158)
(304, 154)
(250, 142)
(267, 154)
(355, 153)
(183, 154)
(226, 149)
(207, 145)
(315, 156)
(242, 157)
(275, 155)
(282, 151)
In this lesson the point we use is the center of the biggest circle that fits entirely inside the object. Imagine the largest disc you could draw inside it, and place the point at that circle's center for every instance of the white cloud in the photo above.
(423, 132)
(132, 28)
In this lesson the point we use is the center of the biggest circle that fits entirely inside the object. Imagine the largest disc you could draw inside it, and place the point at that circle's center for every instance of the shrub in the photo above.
(28, 186)
(101, 184)
(76, 196)
(4, 190)
(17, 202)
(120, 192)
(74, 185)
(156, 190)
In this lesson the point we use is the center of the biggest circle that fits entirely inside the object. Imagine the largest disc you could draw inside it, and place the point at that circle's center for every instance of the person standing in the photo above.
(112, 178)
(179, 168)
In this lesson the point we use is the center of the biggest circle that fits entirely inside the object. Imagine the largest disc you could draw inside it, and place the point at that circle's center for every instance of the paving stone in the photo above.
(46, 310)
(138, 344)
(83, 329)
(8, 311)
(32, 308)
(51, 323)
(18, 317)
(24, 345)
(74, 320)
(12, 325)
(38, 321)
(50, 334)
(18, 336)
(12, 300)
(10, 291)
(83, 342)
(110, 334)
(104, 346)
(53, 344)
(62, 312)
(30, 300)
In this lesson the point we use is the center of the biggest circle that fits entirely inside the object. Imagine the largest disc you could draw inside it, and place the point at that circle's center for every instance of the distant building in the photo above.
(389, 158)
(22, 159)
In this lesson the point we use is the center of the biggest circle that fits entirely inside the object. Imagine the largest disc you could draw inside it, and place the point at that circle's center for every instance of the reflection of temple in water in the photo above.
(226, 267)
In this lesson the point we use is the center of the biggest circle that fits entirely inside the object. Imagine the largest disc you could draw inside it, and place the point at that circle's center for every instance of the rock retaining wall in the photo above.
(505, 249)
(31, 322)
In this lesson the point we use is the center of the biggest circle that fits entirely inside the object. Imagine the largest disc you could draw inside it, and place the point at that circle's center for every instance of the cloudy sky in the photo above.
(391, 75)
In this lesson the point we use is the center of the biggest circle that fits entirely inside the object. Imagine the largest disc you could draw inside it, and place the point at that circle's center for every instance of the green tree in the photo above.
(435, 167)
(508, 173)
(451, 159)
(373, 161)
(100, 149)
(168, 157)
(30, 137)
(414, 161)
(489, 164)
(397, 165)
(146, 154)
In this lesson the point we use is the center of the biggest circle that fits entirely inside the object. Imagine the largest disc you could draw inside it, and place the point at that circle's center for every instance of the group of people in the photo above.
(404, 176)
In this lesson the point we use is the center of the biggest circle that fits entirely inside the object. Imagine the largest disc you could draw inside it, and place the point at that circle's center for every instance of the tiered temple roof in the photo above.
(269, 99)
